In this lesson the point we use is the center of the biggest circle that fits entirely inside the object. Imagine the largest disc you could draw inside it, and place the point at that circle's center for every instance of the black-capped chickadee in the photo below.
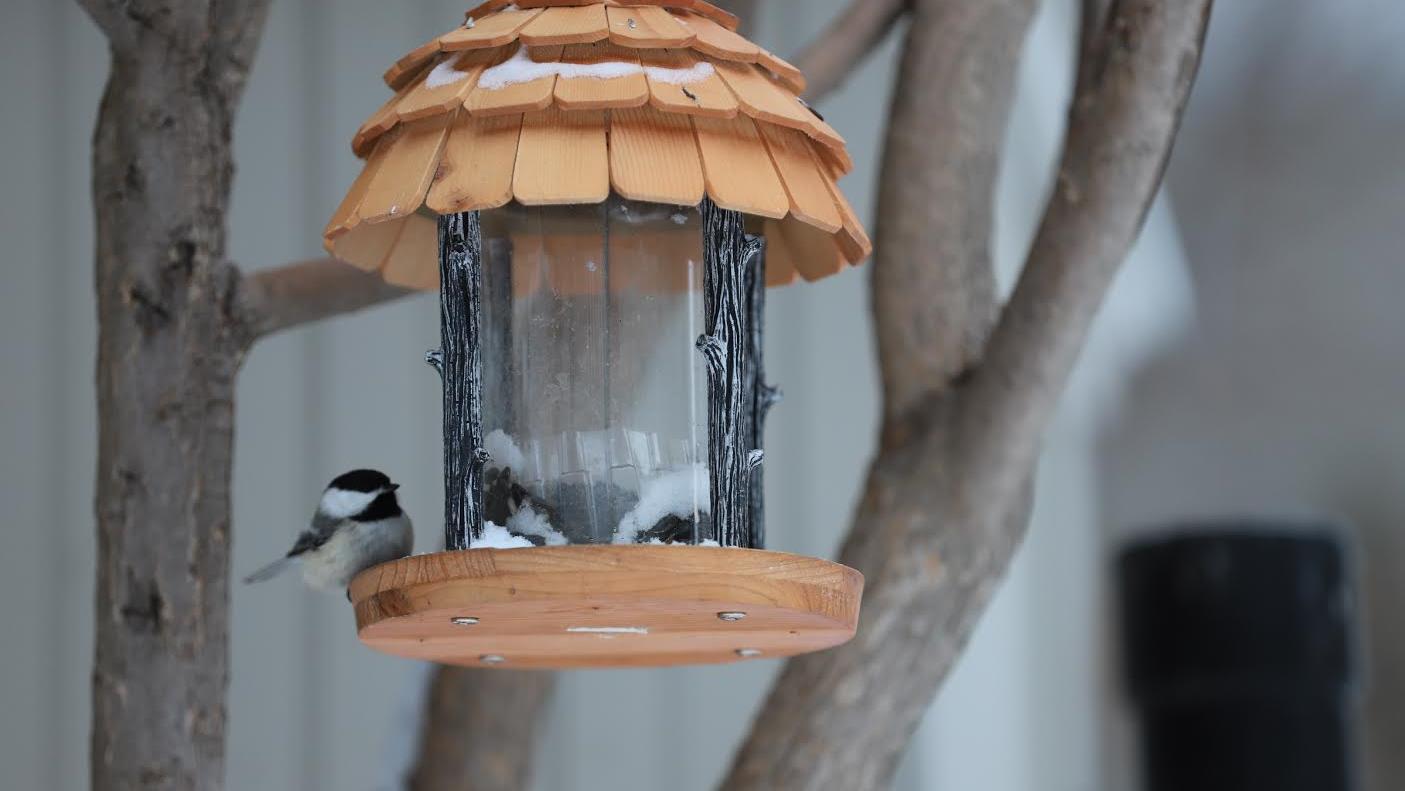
(358, 524)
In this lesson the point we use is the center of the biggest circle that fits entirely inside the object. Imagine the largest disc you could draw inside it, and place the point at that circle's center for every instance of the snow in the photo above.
(659, 542)
(528, 522)
(495, 537)
(696, 73)
(521, 68)
(503, 451)
(678, 492)
(444, 74)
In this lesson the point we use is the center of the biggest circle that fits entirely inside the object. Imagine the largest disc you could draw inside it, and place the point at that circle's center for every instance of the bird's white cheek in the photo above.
(342, 504)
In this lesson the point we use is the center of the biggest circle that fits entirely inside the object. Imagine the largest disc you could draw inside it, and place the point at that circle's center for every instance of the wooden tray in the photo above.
(605, 606)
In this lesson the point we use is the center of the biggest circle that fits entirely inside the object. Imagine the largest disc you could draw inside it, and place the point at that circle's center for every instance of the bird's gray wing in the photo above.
(320, 532)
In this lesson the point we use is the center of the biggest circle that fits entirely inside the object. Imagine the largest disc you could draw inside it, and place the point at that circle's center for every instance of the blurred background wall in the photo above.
(1248, 358)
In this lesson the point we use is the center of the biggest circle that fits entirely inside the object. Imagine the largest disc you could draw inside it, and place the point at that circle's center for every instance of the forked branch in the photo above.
(1135, 74)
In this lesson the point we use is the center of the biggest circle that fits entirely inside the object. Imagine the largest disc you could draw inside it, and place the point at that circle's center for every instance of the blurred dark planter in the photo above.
(1238, 652)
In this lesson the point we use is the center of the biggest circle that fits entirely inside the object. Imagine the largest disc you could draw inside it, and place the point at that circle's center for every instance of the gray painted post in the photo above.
(764, 396)
(459, 361)
(728, 344)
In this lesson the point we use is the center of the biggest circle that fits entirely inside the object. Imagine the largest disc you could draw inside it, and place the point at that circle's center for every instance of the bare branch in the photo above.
(933, 284)
(1123, 121)
(947, 501)
(500, 710)
(273, 300)
(855, 31)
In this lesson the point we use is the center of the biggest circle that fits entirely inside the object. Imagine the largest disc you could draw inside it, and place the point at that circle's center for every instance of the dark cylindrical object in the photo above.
(1238, 655)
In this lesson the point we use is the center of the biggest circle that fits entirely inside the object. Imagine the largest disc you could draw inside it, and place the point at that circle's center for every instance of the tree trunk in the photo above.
(168, 352)
(480, 729)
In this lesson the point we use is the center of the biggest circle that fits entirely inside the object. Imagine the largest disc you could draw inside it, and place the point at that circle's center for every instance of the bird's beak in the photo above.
(394, 486)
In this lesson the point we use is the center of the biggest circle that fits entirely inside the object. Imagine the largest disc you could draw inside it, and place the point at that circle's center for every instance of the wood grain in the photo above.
(400, 183)
(494, 30)
(527, 599)
(402, 71)
(346, 217)
(382, 120)
(519, 97)
(763, 99)
(426, 100)
(562, 158)
(593, 93)
(718, 15)
(567, 25)
(646, 26)
(719, 42)
(737, 169)
(805, 182)
(654, 157)
(475, 168)
(412, 261)
(708, 96)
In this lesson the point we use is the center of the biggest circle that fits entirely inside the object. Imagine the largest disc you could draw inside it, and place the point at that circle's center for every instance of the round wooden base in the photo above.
(605, 606)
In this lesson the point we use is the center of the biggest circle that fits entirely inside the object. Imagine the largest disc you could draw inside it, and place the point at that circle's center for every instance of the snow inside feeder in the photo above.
(594, 398)
(601, 192)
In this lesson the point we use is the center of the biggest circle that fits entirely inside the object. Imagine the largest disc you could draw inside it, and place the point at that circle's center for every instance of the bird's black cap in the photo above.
(361, 481)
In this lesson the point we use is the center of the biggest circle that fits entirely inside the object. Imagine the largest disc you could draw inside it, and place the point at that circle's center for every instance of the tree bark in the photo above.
(947, 500)
(169, 345)
(480, 729)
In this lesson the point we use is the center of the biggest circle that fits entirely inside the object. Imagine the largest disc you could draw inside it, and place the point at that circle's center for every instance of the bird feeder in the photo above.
(601, 192)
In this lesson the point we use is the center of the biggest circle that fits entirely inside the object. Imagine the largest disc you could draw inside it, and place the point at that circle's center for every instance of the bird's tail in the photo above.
(268, 572)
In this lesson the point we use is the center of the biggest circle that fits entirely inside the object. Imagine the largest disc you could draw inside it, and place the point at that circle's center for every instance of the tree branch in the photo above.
(933, 281)
(947, 500)
(831, 58)
(236, 27)
(273, 300)
(1136, 73)
(500, 710)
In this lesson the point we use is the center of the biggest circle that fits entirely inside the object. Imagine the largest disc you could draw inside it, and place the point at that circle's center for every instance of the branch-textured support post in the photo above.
(764, 396)
(727, 346)
(460, 365)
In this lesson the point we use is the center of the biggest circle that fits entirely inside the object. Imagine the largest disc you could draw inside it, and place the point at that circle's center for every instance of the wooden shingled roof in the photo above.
(550, 102)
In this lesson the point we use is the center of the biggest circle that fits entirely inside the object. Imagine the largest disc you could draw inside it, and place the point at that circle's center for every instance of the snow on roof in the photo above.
(656, 100)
